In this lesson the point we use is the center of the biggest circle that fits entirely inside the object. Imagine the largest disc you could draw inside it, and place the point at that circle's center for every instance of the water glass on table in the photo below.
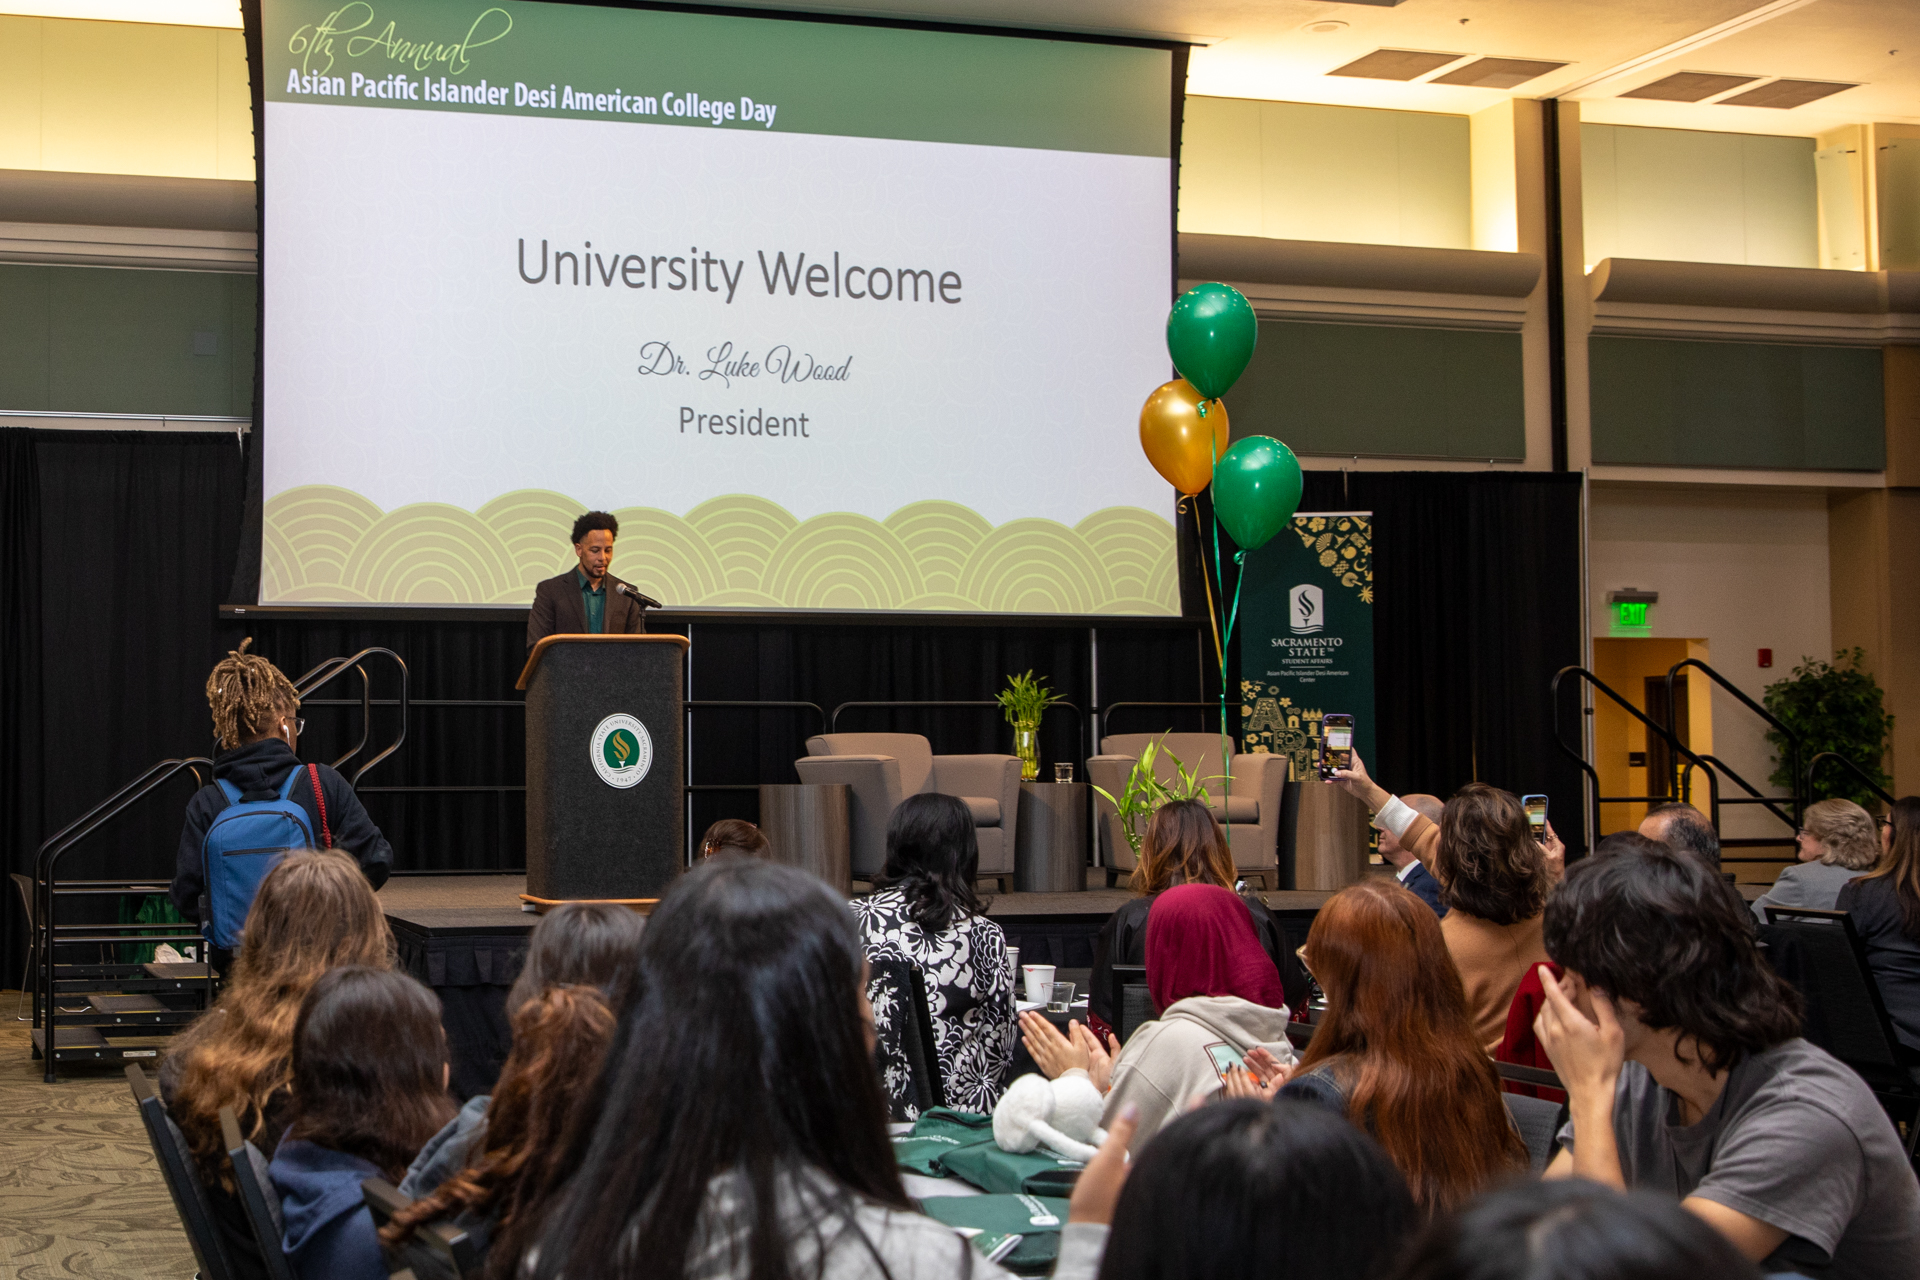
(1063, 772)
(1060, 1000)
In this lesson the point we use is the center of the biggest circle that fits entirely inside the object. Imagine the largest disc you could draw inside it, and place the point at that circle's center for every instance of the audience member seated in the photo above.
(369, 1087)
(739, 1128)
(1395, 1051)
(733, 835)
(1496, 880)
(313, 911)
(1686, 1075)
(1218, 998)
(576, 944)
(1572, 1229)
(924, 911)
(256, 716)
(1407, 869)
(1520, 1045)
(1684, 829)
(1885, 907)
(1837, 841)
(1247, 1191)
(1184, 844)
(559, 1044)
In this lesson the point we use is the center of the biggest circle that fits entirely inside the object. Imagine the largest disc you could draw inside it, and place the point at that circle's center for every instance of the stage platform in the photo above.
(466, 936)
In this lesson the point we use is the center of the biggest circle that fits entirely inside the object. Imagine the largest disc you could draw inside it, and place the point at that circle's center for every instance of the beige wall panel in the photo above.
(1739, 569)
(1220, 167)
(1329, 173)
(20, 88)
(233, 140)
(124, 97)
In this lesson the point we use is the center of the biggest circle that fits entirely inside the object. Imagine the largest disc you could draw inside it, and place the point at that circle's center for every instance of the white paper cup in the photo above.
(1039, 981)
(1013, 963)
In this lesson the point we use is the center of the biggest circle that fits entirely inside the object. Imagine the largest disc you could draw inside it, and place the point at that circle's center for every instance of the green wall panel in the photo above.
(114, 340)
(1384, 390)
(1667, 402)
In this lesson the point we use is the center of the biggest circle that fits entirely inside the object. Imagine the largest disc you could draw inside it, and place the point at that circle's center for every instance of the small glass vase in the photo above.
(1026, 745)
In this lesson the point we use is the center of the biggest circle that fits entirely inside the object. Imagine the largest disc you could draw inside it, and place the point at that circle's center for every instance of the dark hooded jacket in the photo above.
(260, 769)
(329, 1233)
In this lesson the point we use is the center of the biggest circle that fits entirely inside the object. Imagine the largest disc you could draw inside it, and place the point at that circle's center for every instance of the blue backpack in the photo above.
(245, 841)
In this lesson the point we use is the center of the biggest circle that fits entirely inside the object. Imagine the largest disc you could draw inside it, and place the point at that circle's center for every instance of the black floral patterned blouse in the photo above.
(969, 993)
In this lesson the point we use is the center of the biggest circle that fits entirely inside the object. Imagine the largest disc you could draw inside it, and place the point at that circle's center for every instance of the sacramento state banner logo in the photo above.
(621, 751)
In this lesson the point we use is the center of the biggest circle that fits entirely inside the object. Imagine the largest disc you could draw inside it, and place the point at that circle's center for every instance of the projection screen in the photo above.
(830, 315)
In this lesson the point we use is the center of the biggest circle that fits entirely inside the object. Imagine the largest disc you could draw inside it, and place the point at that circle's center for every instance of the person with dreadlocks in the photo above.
(256, 716)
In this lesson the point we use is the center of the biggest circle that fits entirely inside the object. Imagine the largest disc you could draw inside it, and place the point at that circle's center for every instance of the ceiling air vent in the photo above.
(1497, 73)
(1689, 86)
(1396, 64)
(1785, 94)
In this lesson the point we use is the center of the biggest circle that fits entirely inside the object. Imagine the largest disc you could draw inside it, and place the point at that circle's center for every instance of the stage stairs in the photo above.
(97, 1003)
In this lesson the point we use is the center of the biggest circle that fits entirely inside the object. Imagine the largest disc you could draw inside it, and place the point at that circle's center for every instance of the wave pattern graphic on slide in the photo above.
(329, 545)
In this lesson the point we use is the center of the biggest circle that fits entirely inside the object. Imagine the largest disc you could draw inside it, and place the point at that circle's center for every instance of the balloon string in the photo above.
(1240, 576)
(1219, 643)
(1207, 583)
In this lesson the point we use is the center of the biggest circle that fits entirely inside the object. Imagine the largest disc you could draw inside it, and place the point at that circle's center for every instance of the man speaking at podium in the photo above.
(588, 600)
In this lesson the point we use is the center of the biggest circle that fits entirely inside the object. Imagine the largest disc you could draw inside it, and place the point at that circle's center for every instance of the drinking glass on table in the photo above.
(1061, 1001)
(1063, 772)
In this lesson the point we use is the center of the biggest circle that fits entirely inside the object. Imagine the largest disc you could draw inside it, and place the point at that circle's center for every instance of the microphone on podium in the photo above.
(644, 600)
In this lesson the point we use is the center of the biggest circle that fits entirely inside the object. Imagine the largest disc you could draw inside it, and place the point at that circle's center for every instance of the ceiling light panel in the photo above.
(1785, 94)
(1396, 64)
(1497, 73)
(1689, 86)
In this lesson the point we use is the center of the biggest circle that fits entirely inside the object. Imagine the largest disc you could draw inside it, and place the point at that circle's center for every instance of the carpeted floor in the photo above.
(80, 1194)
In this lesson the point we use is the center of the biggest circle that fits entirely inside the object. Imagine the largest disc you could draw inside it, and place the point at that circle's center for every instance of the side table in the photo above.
(808, 827)
(1051, 838)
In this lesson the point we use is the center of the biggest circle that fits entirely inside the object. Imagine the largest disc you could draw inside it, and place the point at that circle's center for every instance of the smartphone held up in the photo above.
(1336, 743)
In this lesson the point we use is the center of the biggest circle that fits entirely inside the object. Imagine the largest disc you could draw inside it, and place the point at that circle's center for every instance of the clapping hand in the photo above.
(1261, 1077)
(1052, 1052)
(1100, 1058)
(1098, 1188)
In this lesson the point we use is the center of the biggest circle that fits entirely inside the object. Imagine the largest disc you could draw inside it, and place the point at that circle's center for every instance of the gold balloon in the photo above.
(1174, 423)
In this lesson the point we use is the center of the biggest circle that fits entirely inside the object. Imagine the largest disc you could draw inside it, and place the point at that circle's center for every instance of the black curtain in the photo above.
(1477, 602)
(116, 548)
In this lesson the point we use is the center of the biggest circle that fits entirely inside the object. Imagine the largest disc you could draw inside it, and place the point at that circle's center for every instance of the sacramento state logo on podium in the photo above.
(622, 751)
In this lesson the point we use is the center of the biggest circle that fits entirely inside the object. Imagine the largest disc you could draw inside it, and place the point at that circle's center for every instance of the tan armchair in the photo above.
(1251, 809)
(882, 769)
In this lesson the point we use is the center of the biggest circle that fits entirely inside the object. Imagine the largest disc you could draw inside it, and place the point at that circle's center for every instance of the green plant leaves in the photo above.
(1836, 707)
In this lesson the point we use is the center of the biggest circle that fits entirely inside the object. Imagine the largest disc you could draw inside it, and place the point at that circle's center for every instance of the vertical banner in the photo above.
(1306, 637)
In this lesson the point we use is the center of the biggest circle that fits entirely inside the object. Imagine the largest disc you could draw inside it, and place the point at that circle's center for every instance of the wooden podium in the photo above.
(606, 816)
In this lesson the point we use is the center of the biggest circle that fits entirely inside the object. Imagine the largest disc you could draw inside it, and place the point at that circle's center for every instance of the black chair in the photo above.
(257, 1196)
(170, 1151)
(1845, 1014)
(1538, 1123)
(1129, 998)
(449, 1252)
(903, 987)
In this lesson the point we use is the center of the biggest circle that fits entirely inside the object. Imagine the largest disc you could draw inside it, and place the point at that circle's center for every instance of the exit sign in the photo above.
(1630, 613)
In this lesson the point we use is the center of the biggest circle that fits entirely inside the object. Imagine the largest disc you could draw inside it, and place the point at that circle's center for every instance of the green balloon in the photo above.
(1210, 335)
(1256, 490)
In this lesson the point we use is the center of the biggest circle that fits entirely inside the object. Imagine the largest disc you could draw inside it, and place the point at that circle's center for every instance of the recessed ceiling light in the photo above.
(1785, 94)
(1325, 28)
(1396, 64)
(1497, 73)
(1689, 86)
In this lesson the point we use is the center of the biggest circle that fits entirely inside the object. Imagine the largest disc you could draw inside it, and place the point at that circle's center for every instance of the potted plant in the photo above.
(1144, 793)
(1023, 700)
(1834, 707)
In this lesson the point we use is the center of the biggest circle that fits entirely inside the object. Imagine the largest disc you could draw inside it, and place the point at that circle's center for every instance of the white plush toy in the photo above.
(1063, 1115)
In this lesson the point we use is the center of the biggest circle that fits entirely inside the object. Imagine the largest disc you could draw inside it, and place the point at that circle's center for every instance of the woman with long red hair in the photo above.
(1396, 1052)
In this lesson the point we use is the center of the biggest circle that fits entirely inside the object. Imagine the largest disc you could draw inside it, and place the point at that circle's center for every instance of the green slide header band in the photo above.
(792, 76)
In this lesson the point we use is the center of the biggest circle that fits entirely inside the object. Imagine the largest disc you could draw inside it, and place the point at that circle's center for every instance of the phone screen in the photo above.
(1224, 1056)
(1536, 807)
(1336, 743)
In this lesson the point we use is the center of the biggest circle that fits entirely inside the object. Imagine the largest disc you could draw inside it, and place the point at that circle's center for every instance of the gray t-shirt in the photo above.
(1795, 1140)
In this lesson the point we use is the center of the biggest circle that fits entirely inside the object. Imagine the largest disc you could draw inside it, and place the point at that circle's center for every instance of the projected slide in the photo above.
(831, 316)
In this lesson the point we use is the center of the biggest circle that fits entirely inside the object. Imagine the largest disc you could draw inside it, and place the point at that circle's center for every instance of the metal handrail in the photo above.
(1799, 799)
(331, 668)
(707, 704)
(1814, 764)
(1666, 735)
(1106, 712)
(45, 863)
